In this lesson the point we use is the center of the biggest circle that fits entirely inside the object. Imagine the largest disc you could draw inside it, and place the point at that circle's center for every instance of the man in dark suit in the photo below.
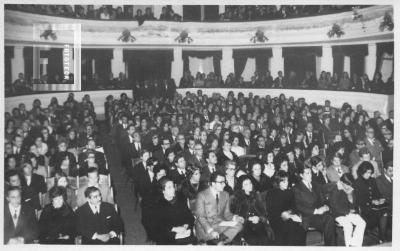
(212, 208)
(374, 146)
(121, 127)
(310, 136)
(385, 182)
(319, 176)
(315, 213)
(178, 175)
(160, 154)
(97, 221)
(33, 186)
(211, 167)
(390, 121)
(179, 146)
(188, 153)
(143, 181)
(131, 147)
(198, 160)
(20, 224)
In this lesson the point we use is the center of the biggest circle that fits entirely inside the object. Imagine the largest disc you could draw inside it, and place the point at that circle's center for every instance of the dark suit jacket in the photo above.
(129, 151)
(201, 164)
(160, 156)
(27, 226)
(99, 158)
(141, 180)
(175, 176)
(307, 201)
(88, 223)
(385, 187)
(30, 194)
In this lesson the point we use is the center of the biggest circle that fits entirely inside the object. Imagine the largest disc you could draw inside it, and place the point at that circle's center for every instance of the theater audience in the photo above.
(283, 134)
(57, 221)
(97, 221)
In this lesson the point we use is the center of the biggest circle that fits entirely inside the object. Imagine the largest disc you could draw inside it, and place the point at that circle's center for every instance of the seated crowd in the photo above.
(232, 12)
(326, 81)
(105, 12)
(255, 170)
(56, 173)
(213, 170)
(270, 12)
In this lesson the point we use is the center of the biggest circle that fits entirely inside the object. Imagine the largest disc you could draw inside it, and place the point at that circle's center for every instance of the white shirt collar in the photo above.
(93, 208)
(388, 178)
(308, 185)
(12, 210)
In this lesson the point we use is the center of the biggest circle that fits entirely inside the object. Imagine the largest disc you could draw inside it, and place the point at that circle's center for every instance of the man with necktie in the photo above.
(97, 221)
(211, 209)
(20, 224)
(310, 204)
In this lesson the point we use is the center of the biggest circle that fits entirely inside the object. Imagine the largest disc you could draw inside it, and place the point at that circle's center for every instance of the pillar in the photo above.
(157, 9)
(370, 61)
(178, 9)
(221, 9)
(276, 62)
(93, 66)
(227, 64)
(17, 63)
(346, 64)
(117, 62)
(326, 59)
(44, 62)
(318, 66)
(177, 65)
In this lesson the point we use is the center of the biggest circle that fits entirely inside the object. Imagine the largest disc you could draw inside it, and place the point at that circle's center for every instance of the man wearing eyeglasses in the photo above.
(374, 146)
(213, 213)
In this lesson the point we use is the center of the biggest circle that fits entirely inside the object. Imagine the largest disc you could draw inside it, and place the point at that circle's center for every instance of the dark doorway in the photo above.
(211, 13)
(299, 64)
(192, 13)
(148, 65)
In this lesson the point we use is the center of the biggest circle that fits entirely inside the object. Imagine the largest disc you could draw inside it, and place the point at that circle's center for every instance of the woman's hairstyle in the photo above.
(347, 179)
(163, 182)
(177, 157)
(58, 176)
(190, 170)
(364, 167)
(315, 160)
(158, 168)
(252, 164)
(279, 177)
(58, 191)
(241, 179)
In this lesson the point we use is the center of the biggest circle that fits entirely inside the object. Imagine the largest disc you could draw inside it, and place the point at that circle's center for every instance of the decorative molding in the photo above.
(259, 37)
(103, 33)
(49, 33)
(184, 37)
(387, 23)
(336, 30)
(126, 36)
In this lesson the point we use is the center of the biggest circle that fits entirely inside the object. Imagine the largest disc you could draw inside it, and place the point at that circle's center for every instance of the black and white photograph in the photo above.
(238, 123)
